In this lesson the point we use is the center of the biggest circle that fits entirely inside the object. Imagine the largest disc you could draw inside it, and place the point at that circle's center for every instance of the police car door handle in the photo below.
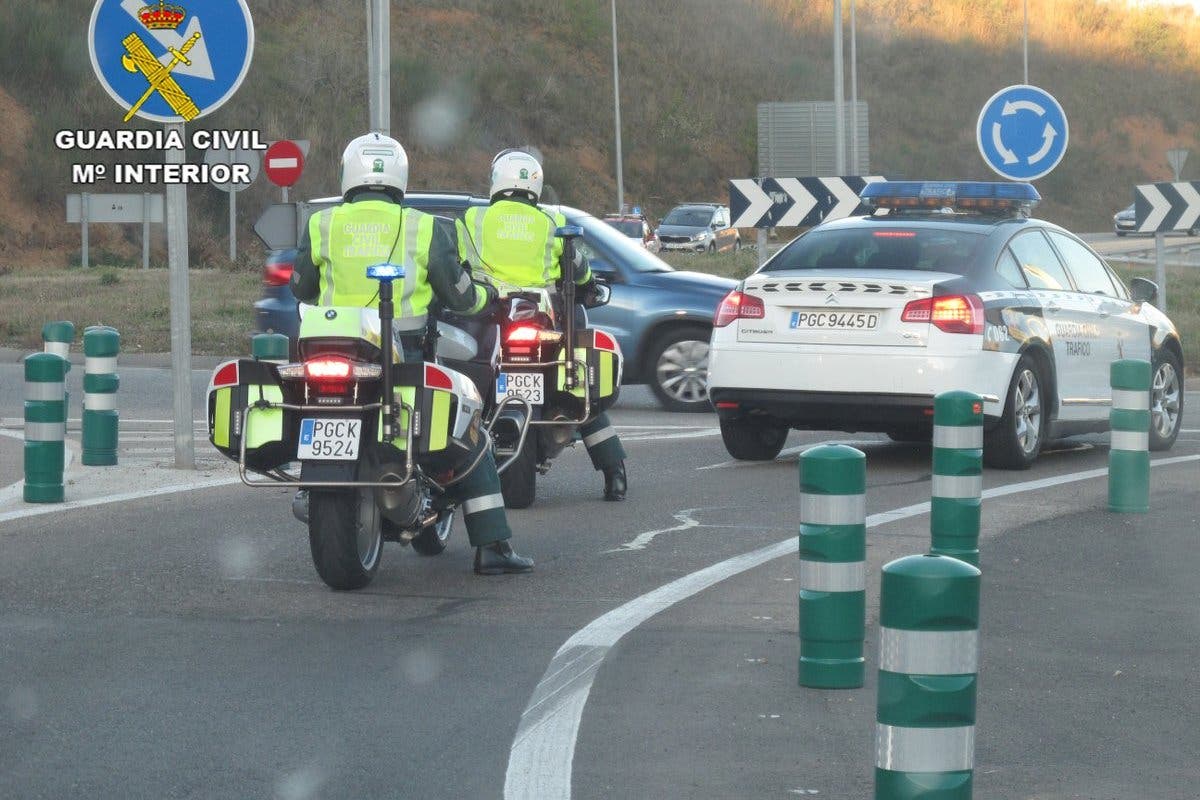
(1053, 308)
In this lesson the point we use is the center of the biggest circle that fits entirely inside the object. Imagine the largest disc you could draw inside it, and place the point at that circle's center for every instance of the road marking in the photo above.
(71, 505)
(542, 754)
(643, 539)
(786, 453)
(641, 437)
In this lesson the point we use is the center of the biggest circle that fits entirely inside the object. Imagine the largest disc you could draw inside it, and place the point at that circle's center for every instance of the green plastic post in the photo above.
(1129, 453)
(100, 383)
(45, 427)
(270, 347)
(833, 579)
(57, 338)
(957, 475)
(928, 669)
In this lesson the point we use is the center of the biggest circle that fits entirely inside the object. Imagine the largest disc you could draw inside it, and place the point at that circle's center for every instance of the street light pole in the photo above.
(855, 167)
(839, 92)
(379, 59)
(1026, 42)
(617, 113)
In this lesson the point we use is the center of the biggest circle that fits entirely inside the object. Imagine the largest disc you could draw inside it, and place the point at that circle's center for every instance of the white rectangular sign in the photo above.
(115, 208)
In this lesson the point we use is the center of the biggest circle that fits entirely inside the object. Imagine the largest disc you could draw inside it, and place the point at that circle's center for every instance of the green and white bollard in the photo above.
(100, 383)
(957, 475)
(928, 665)
(833, 571)
(45, 427)
(57, 338)
(271, 347)
(1129, 453)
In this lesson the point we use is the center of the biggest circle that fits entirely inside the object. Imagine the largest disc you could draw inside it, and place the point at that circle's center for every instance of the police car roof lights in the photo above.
(978, 196)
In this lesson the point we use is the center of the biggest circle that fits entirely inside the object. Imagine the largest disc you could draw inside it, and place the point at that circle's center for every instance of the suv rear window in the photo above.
(932, 249)
(689, 217)
(630, 227)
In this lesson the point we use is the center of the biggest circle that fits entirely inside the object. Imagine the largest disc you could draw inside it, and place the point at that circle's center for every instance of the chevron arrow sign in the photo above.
(795, 202)
(1162, 207)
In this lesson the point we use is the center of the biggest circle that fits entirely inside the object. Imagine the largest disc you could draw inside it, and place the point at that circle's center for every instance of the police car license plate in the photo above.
(849, 319)
(329, 439)
(528, 385)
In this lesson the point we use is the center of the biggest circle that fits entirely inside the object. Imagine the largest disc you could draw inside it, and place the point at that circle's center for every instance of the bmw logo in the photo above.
(331, 314)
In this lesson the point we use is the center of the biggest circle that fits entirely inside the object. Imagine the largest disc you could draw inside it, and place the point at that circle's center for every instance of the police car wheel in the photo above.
(752, 440)
(1166, 400)
(345, 543)
(1016, 442)
(431, 541)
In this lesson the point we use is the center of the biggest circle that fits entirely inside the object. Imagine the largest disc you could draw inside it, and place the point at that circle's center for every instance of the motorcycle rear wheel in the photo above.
(345, 546)
(518, 482)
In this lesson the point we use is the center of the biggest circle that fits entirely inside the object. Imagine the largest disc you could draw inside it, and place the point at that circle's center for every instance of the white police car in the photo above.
(857, 324)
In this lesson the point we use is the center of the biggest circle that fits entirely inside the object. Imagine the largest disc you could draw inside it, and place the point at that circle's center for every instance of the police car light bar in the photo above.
(957, 195)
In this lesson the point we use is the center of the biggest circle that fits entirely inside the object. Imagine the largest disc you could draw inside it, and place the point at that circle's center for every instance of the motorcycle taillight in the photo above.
(329, 374)
(521, 342)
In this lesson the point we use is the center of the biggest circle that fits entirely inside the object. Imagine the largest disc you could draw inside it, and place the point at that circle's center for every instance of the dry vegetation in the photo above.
(471, 76)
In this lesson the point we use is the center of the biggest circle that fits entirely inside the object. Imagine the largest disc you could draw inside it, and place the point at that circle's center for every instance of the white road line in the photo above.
(786, 453)
(659, 427)
(540, 760)
(71, 505)
(641, 437)
(643, 539)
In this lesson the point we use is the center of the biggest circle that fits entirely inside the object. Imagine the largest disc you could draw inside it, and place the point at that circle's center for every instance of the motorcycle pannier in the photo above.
(598, 372)
(235, 388)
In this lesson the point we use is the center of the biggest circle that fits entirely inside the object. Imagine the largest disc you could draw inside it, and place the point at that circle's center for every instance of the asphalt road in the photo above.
(182, 646)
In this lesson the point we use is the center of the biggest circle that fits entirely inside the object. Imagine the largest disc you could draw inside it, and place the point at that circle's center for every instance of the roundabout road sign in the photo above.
(170, 62)
(1022, 132)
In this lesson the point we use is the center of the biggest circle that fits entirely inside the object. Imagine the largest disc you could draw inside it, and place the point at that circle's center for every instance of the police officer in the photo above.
(514, 242)
(370, 227)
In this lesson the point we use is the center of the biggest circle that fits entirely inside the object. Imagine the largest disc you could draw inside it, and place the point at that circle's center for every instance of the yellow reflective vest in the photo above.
(515, 243)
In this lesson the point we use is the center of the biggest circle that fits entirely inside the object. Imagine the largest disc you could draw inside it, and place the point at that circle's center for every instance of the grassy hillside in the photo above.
(471, 76)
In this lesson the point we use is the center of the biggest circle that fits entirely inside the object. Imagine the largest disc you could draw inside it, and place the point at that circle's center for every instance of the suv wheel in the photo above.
(752, 440)
(677, 368)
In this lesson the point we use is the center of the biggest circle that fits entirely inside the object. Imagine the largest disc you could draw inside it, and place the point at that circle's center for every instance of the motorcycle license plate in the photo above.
(329, 439)
(528, 385)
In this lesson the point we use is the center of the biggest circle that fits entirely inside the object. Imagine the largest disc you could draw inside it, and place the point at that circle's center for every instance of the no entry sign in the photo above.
(283, 163)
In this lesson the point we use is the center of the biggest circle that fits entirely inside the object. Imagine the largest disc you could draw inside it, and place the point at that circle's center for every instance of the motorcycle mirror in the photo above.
(603, 293)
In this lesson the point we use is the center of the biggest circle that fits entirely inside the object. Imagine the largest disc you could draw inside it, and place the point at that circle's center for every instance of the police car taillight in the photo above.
(738, 305)
(954, 313)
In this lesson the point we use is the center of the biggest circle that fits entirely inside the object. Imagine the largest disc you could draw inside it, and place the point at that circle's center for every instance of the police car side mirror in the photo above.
(1143, 290)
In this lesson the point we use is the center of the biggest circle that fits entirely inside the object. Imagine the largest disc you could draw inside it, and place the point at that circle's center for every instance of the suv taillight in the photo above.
(738, 305)
(952, 313)
(277, 273)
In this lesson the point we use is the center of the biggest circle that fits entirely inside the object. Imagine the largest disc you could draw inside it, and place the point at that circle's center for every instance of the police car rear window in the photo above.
(929, 249)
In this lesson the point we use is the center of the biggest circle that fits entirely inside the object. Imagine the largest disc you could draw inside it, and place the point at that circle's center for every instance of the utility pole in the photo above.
(855, 167)
(839, 92)
(617, 113)
(379, 66)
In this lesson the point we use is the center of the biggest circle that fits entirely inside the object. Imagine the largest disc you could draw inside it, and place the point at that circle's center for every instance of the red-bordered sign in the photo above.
(283, 163)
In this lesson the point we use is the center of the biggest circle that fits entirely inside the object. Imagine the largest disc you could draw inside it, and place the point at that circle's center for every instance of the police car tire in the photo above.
(752, 440)
(333, 540)
(518, 483)
(1000, 446)
(1163, 357)
(431, 541)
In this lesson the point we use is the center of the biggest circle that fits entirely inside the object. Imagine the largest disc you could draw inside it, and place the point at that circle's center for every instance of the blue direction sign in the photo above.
(1022, 132)
(171, 62)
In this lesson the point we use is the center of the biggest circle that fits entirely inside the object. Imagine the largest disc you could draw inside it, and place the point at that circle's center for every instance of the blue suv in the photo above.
(661, 317)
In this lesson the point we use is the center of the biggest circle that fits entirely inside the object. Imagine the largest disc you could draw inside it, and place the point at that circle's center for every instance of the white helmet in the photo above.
(516, 171)
(374, 161)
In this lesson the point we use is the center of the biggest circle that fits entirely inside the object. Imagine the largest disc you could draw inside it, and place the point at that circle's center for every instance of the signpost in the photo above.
(284, 163)
(1159, 208)
(1022, 133)
(172, 64)
(1176, 158)
(223, 155)
(794, 202)
(87, 208)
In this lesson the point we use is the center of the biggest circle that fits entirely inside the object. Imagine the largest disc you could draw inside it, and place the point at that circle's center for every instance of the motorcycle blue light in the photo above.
(385, 272)
(568, 230)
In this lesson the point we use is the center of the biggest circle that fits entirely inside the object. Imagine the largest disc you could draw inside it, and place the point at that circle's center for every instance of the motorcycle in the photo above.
(378, 440)
(560, 391)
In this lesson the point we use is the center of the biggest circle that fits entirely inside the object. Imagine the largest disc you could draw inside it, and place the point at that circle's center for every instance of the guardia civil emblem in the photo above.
(170, 62)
